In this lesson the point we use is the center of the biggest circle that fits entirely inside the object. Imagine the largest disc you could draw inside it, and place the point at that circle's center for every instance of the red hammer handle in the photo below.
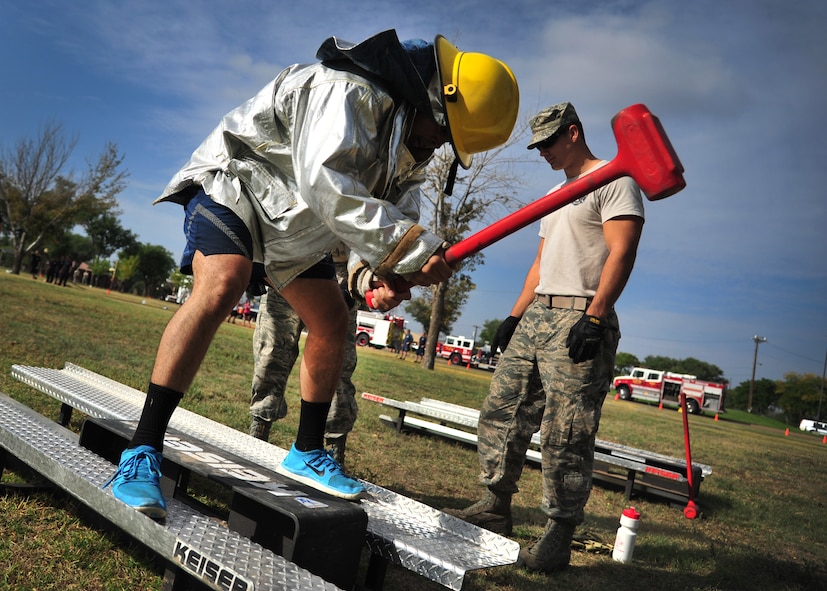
(531, 213)
(644, 153)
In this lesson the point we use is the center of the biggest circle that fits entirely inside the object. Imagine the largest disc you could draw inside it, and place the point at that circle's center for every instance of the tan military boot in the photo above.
(336, 448)
(493, 513)
(552, 551)
(259, 428)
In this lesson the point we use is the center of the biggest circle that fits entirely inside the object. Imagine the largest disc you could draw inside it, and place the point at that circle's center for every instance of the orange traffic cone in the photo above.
(660, 406)
(824, 440)
(617, 395)
(787, 432)
(716, 416)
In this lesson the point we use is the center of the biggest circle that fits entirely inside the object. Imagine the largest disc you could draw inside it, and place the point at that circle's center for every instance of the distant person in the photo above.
(65, 271)
(396, 340)
(559, 346)
(53, 270)
(420, 348)
(407, 342)
(326, 152)
(236, 312)
(34, 264)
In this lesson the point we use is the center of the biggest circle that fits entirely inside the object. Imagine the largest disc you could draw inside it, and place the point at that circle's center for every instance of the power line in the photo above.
(794, 354)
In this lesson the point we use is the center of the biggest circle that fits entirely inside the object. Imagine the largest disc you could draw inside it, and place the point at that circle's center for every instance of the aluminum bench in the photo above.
(635, 469)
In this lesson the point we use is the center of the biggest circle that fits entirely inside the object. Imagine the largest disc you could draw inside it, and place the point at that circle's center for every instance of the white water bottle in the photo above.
(626, 535)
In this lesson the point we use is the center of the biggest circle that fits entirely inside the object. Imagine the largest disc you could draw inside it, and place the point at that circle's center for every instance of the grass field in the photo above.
(763, 524)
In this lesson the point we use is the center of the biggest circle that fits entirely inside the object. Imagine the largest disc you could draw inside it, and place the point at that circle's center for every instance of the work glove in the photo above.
(585, 337)
(504, 333)
(258, 281)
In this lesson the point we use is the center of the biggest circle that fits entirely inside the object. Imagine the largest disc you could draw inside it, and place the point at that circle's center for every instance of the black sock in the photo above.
(311, 425)
(158, 408)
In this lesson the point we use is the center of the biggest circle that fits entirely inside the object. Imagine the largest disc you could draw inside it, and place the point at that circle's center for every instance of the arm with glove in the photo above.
(622, 235)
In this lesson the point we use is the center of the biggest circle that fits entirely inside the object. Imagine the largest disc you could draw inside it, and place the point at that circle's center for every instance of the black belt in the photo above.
(566, 302)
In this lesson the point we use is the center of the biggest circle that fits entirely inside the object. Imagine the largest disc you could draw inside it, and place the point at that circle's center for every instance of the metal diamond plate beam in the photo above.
(187, 538)
(403, 531)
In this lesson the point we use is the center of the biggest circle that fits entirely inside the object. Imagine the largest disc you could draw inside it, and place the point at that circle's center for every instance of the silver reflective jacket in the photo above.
(315, 158)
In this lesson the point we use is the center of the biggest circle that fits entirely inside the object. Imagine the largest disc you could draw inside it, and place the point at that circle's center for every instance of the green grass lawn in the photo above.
(763, 523)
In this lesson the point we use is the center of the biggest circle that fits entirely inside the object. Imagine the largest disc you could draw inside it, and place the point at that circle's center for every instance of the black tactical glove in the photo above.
(585, 338)
(258, 281)
(504, 332)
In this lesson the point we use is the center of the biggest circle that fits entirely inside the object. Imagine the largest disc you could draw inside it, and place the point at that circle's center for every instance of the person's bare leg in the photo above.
(320, 305)
(219, 281)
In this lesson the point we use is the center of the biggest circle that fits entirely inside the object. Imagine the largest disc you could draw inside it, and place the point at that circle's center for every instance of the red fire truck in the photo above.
(457, 350)
(377, 329)
(663, 387)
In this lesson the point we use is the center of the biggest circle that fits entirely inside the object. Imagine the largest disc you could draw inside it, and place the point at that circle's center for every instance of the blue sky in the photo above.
(739, 85)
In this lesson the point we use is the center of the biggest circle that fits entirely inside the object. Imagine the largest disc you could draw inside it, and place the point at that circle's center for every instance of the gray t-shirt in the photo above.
(574, 250)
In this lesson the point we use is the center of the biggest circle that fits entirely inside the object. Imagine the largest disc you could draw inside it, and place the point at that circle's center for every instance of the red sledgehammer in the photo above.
(643, 153)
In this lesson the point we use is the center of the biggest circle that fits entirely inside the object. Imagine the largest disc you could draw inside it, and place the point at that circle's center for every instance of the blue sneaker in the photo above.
(136, 482)
(316, 468)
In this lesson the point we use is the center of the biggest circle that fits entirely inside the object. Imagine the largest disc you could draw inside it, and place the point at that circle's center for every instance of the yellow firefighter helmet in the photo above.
(480, 96)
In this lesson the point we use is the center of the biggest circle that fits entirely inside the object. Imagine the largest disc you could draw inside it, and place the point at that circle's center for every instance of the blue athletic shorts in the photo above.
(212, 228)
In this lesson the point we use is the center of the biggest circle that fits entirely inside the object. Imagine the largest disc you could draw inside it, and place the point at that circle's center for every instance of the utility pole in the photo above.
(758, 340)
(821, 393)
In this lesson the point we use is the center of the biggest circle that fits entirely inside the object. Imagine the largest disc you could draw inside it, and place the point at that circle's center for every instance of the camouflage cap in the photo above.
(545, 123)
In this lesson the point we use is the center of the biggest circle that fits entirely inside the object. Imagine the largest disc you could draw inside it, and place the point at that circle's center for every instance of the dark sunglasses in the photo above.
(549, 142)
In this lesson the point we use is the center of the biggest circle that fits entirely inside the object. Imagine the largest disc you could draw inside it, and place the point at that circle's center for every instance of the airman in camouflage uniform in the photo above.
(561, 338)
(275, 350)
(535, 373)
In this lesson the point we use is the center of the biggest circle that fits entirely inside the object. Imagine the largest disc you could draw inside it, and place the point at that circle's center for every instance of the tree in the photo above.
(127, 268)
(690, 365)
(624, 362)
(765, 396)
(107, 234)
(100, 268)
(38, 198)
(76, 247)
(798, 396)
(178, 279)
(480, 194)
(489, 329)
(154, 266)
(455, 296)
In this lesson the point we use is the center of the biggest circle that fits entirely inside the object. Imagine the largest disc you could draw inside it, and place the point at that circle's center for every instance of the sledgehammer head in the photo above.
(645, 153)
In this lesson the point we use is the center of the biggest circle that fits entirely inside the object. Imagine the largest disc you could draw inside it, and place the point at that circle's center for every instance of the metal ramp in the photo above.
(400, 531)
(634, 469)
(190, 542)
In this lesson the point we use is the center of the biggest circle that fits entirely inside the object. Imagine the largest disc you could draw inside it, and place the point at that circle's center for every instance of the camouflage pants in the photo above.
(536, 386)
(275, 350)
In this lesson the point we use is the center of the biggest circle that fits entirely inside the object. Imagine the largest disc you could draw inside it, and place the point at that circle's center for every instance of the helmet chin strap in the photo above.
(452, 177)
